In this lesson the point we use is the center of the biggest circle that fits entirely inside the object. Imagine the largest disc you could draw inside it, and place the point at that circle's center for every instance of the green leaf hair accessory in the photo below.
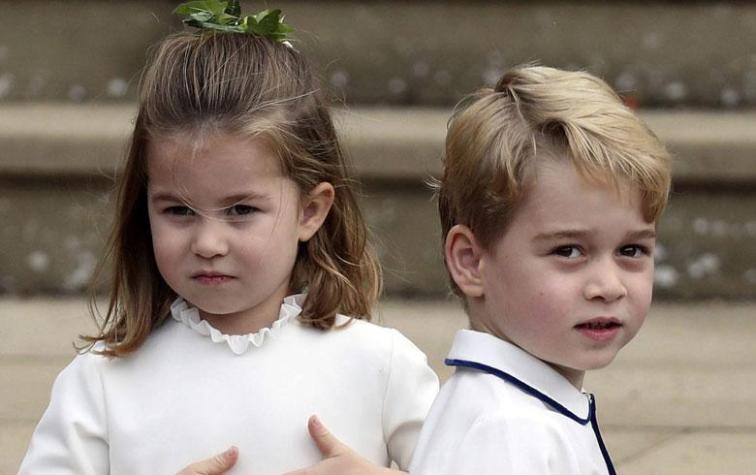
(226, 16)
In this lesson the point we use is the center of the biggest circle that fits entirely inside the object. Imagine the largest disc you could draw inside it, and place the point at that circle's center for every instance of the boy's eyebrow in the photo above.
(563, 234)
(649, 233)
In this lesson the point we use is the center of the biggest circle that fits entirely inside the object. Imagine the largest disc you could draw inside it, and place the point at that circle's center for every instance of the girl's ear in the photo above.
(463, 254)
(315, 208)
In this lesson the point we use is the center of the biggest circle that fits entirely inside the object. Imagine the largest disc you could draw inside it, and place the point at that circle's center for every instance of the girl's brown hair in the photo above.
(254, 87)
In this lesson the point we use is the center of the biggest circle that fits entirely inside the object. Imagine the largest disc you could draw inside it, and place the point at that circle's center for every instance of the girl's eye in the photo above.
(179, 211)
(569, 252)
(240, 210)
(633, 250)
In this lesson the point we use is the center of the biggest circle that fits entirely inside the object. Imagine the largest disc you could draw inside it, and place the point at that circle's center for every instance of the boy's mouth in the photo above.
(600, 323)
(600, 329)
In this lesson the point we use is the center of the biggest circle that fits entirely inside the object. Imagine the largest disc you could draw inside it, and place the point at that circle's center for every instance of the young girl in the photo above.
(236, 241)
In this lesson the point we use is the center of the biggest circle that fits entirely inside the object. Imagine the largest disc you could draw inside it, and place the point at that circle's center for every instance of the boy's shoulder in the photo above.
(480, 424)
(480, 398)
(498, 385)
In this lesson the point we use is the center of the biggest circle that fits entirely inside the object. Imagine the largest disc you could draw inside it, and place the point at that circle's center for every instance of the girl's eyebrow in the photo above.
(163, 196)
(240, 197)
(226, 201)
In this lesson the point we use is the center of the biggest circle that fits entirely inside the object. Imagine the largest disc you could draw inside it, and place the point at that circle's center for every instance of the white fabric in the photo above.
(181, 311)
(190, 392)
(482, 424)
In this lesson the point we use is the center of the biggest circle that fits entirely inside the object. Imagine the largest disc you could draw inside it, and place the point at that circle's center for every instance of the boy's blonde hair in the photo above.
(253, 87)
(494, 137)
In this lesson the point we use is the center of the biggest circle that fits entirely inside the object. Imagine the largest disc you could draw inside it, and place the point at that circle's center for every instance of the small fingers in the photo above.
(304, 471)
(215, 465)
(327, 443)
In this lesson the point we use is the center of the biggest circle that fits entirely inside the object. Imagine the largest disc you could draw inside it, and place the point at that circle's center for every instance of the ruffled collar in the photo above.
(239, 344)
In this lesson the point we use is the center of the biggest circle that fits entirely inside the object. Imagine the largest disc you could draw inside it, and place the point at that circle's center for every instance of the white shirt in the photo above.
(192, 391)
(506, 412)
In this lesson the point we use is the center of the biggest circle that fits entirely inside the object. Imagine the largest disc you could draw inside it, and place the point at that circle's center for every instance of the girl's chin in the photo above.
(215, 309)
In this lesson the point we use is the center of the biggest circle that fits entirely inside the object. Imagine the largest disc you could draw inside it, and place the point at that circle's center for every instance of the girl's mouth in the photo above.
(211, 278)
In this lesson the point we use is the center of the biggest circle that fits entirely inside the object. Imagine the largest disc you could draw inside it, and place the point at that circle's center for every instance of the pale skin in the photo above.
(226, 225)
(570, 279)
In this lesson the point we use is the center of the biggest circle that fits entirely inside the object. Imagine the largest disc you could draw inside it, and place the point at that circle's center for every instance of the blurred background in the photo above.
(681, 399)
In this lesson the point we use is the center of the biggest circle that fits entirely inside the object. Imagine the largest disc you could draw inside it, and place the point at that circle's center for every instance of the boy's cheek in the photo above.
(640, 297)
(645, 285)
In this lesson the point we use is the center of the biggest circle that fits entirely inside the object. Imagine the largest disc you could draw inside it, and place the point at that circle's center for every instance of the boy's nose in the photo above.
(208, 240)
(605, 283)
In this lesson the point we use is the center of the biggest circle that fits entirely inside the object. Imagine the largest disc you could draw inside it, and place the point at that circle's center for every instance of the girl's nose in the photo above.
(208, 240)
(605, 283)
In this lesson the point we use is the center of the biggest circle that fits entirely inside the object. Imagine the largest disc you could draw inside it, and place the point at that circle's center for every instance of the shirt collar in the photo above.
(487, 350)
(189, 315)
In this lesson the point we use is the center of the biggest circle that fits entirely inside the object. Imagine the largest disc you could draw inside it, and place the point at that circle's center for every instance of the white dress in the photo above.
(192, 391)
(504, 411)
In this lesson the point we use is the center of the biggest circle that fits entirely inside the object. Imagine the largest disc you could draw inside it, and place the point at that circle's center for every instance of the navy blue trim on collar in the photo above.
(602, 446)
(523, 387)
(526, 388)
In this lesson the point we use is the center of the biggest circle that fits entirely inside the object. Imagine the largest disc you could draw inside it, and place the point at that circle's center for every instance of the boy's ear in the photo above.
(463, 254)
(315, 208)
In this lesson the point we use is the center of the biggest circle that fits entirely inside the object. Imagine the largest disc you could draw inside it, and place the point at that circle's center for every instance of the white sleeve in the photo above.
(412, 385)
(506, 445)
(71, 437)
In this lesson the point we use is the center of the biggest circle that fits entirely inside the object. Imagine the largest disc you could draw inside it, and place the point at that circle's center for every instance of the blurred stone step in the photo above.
(407, 52)
(57, 164)
(44, 138)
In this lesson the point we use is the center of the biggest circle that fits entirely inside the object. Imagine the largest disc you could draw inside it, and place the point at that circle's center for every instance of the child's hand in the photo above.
(338, 459)
(215, 465)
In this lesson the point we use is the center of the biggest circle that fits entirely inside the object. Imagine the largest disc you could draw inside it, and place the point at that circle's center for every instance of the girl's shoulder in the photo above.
(83, 373)
(90, 358)
(366, 341)
(91, 363)
(369, 335)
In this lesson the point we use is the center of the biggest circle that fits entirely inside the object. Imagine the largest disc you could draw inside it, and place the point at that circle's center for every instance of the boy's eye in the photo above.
(179, 211)
(633, 250)
(570, 252)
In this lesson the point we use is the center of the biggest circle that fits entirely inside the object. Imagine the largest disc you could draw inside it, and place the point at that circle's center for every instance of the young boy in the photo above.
(549, 201)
